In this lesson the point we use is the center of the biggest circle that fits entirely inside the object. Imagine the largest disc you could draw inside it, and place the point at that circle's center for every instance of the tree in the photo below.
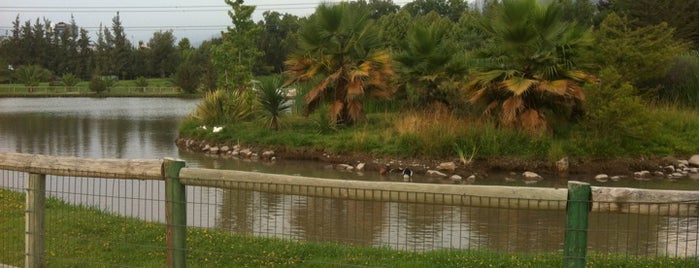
(187, 77)
(394, 29)
(69, 80)
(32, 75)
(273, 102)
(234, 58)
(164, 56)
(121, 49)
(451, 9)
(679, 14)
(431, 64)
(276, 40)
(529, 66)
(639, 54)
(340, 46)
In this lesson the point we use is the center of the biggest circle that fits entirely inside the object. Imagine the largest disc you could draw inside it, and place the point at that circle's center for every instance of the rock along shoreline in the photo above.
(456, 171)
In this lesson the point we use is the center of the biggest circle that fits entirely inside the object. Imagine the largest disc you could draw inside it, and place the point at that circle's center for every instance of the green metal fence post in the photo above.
(578, 206)
(34, 221)
(175, 213)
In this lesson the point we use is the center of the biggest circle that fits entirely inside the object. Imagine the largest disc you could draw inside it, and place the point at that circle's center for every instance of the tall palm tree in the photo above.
(528, 68)
(340, 46)
(430, 63)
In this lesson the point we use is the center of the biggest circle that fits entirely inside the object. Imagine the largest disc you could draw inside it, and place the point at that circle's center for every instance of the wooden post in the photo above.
(579, 205)
(175, 213)
(34, 221)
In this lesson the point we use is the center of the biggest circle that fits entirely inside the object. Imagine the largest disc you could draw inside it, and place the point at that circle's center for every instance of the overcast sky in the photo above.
(196, 20)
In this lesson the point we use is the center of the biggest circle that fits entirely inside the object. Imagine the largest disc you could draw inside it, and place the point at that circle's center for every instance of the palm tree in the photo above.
(528, 69)
(340, 46)
(430, 64)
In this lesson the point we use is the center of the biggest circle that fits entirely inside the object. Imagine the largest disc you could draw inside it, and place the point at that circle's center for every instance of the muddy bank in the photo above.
(479, 167)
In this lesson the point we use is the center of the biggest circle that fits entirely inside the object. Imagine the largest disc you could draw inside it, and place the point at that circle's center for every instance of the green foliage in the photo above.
(678, 14)
(639, 54)
(141, 82)
(98, 84)
(225, 107)
(235, 57)
(681, 83)
(31, 75)
(163, 56)
(528, 69)
(187, 77)
(616, 116)
(273, 101)
(69, 80)
(431, 65)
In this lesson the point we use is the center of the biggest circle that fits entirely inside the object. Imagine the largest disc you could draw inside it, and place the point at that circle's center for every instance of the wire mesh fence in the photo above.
(100, 219)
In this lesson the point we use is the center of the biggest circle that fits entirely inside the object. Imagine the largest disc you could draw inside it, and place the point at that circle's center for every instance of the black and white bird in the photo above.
(408, 175)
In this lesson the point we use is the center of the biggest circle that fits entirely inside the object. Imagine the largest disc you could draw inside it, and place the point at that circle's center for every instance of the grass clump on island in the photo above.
(83, 236)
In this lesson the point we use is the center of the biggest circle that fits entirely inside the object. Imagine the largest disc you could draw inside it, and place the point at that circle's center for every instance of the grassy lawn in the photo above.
(86, 237)
(125, 88)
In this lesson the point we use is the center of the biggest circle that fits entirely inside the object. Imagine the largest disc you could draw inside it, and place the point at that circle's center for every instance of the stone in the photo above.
(246, 152)
(694, 160)
(360, 167)
(267, 154)
(563, 165)
(456, 178)
(693, 170)
(213, 150)
(602, 177)
(676, 175)
(344, 166)
(682, 162)
(206, 148)
(616, 178)
(669, 169)
(642, 174)
(471, 179)
(659, 174)
(451, 166)
(436, 173)
(225, 149)
(528, 175)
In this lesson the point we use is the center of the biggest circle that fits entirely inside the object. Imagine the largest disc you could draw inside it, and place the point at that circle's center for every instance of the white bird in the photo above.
(217, 129)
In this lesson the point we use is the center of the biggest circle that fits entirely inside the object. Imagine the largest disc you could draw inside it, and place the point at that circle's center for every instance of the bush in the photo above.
(225, 107)
(98, 85)
(681, 84)
(616, 115)
(272, 101)
(69, 80)
(141, 82)
(187, 77)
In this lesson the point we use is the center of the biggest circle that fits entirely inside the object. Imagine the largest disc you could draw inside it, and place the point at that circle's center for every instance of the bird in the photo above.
(385, 169)
(408, 175)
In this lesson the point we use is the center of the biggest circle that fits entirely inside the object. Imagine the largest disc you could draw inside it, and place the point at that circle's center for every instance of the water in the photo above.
(147, 127)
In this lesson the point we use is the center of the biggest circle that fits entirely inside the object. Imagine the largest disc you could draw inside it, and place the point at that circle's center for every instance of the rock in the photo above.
(436, 173)
(206, 148)
(225, 149)
(456, 178)
(213, 150)
(274, 158)
(602, 177)
(641, 174)
(236, 147)
(616, 178)
(528, 175)
(682, 162)
(563, 165)
(267, 154)
(246, 152)
(254, 156)
(360, 167)
(451, 166)
(659, 174)
(669, 169)
(694, 160)
(235, 152)
(693, 170)
(471, 179)
(676, 175)
(344, 167)
(510, 179)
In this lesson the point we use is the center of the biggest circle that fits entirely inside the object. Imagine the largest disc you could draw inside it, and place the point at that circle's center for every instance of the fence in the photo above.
(82, 89)
(107, 211)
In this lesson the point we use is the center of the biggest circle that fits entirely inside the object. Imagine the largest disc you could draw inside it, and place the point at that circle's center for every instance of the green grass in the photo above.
(86, 237)
(415, 134)
(124, 88)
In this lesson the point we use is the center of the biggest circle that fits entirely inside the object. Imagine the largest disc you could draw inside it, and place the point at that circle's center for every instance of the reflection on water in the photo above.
(147, 128)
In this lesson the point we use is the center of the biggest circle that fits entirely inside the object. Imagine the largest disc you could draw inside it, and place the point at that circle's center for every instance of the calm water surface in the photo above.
(147, 128)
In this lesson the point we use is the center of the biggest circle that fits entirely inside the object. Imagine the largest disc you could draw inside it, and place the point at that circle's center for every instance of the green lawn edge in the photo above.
(87, 237)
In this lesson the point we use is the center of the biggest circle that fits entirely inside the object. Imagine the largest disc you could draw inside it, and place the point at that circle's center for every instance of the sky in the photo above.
(197, 20)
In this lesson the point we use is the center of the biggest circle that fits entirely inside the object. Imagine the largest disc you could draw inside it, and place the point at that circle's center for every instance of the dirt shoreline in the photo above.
(482, 166)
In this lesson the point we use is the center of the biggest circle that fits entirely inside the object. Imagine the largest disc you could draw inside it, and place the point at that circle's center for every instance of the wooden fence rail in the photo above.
(671, 203)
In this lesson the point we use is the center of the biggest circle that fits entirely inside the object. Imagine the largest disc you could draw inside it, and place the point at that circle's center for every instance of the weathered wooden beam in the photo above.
(144, 169)
(34, 238)
(463, 195)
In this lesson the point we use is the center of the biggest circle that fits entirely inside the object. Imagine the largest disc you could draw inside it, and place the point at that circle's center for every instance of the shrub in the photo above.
(224, 107)
(69, 80)
(98, 84)
(31, 75)
(141, 82)
(615, 114)
(273, 102)
(187, 77)
(681, 84)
